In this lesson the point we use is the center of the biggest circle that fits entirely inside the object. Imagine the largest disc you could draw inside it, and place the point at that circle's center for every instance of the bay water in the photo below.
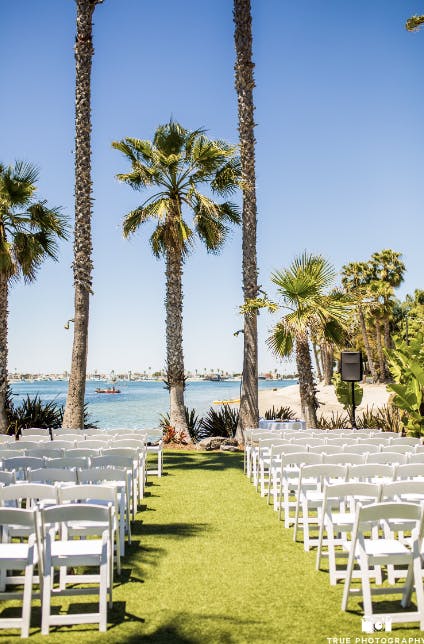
(140, 403)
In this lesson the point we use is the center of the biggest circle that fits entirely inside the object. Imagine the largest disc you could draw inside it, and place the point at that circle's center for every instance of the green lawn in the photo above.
(211, 563)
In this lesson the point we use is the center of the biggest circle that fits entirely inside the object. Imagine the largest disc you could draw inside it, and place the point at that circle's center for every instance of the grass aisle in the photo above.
(211, 563)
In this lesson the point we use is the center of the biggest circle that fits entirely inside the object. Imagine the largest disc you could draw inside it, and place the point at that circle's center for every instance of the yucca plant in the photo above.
(335, 421)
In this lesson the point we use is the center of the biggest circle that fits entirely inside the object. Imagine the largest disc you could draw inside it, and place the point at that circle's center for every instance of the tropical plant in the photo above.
(356, 278)
(220, 422)
(29, 233)
(280, 413)
(35, 412)
(303, 288)
(244, 83)
(388, 271)
(180, 163)
(343, 391)
(193, 425)
(386, 418)
(82, 265)
(414, 23)
(336, 420)
(406, 363)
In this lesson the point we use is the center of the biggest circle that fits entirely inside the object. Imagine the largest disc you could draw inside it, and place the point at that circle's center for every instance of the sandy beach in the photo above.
(376, 395)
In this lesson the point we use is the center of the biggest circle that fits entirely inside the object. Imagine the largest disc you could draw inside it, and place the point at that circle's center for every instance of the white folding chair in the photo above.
(337, 520)
(138, 468)
(73, 553)
(119, 479)
(414, 471)
(379, 550)
(53, 475)
(361, 448)
(8, 478)
(14, 557)
(21, 464)
(99, 495)
(68, 462)
(418, 457)
(83, 451)
(310, 494)
(406, 440)
(398, 448)
(35, 431)
(154, 445)
(288, 480)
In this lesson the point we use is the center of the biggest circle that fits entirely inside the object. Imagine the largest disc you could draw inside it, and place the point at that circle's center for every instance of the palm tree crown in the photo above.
(28, 228)
(178, 162)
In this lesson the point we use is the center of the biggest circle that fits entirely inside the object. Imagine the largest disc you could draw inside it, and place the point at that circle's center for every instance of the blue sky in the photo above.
(340, 157)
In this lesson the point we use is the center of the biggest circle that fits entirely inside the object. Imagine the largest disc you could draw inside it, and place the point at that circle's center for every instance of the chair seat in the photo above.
(15, 552)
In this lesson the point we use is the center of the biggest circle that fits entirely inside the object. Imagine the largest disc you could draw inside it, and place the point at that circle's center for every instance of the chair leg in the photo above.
(349, 573)
(45, 603)
(103, 596)
(26, 604)
(366, 587)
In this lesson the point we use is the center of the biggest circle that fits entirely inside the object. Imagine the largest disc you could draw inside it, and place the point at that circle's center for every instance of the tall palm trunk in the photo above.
(82, 266)
(3, 350)
(174, 339)
(244, 84)
(317, 361)
(367, 344)
(379, 343)
(308, 399)
(327, 353)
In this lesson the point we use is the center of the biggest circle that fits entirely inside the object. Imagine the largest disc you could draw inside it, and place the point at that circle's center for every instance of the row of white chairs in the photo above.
(47, 541)
(329, 496)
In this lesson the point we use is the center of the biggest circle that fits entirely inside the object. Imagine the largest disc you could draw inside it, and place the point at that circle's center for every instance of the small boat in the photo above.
(110, 390)
(226, 402)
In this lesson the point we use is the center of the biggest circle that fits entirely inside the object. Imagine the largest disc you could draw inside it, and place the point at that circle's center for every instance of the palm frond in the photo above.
(281, 340)
(227, 178)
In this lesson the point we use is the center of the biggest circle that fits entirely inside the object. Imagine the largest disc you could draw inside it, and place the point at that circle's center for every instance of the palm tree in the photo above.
(356, 278)
(244, 82)
(28, 235)
(414, 23)
(303, 287)
(73, 416)
(180, 162)
(388, 270)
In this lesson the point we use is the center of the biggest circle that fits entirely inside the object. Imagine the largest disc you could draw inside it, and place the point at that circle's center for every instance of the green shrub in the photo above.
(220, 422)
(193, 424)
(282, 413)
(335, 421)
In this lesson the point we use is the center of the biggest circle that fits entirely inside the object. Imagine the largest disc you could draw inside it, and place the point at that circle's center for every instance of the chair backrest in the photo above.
(355, 490)
(362, 448)
(29, 491)
(5, 438)
(97, 474)
(52, 475)
(371, 472)
(114, 460)
(72, 512)
(27, 443)
(35, 431)
(7, 478)
(285, 447)
(339, 440)
(92, 443)
(18, 517)
(325, 449)
(92, 432)
(399, 449)
(406, 440)
(40, 452)
(10, 453)
(83, 452)
(410, 471)
(416, 458)
(22, 462)
(306, 440)
(88, 492)
(62, 444)
(403, 491)
(344, 458)
(137, 443)
(67, 462)
(300, 458)
(387, 457)
(386, 511)
(322, 473)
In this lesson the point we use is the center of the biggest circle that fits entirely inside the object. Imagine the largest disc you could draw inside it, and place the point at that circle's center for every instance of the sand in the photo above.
(376, 395)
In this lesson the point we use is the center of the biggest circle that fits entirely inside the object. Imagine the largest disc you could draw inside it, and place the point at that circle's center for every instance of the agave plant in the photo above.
(220, 422)
(282, 413)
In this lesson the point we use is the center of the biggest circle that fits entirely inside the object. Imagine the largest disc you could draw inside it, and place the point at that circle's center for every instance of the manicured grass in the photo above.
(211, 563)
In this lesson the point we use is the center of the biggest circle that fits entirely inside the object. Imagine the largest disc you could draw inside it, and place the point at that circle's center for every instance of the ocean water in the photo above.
(140, 403)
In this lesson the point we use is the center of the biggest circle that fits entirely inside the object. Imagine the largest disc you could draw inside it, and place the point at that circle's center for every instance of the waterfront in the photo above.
(140, 403)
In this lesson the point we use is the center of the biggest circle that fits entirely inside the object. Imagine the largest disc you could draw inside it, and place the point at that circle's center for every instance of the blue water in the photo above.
(140, 403)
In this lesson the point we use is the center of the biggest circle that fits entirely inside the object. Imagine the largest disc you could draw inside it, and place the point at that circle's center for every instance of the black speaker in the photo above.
(351, 368)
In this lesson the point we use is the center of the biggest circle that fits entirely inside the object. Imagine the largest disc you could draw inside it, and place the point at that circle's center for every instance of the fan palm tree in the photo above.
(29, 232)
(389, 271)
(180, 162)
(244, 83)
(356, 278)
(303, 288)
(73, 416)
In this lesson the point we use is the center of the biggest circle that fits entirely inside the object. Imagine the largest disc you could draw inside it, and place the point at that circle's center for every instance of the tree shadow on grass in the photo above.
(204, 461)
(183, 530)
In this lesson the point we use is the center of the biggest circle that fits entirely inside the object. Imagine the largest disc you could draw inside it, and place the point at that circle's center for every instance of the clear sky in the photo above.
(340, 157)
